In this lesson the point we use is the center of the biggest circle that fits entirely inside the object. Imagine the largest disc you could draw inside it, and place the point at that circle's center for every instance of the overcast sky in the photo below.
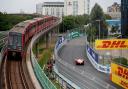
(29, 6)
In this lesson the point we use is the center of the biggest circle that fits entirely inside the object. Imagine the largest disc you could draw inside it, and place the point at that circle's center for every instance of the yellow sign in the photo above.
(119, 75)
(111, 44)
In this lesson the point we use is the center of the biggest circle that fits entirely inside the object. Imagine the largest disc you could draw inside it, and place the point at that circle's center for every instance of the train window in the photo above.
(32, 28)
(10, 40)
(15, 39)
(19, 39)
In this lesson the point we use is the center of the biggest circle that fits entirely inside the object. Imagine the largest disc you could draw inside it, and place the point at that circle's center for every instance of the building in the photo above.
(51, 8)
(76, 7)
(39, 8)
(114, 11)
(124, 18)
(114, 8)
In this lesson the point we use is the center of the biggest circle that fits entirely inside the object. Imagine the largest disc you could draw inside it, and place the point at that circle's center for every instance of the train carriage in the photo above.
(22, 32)
(15, 39)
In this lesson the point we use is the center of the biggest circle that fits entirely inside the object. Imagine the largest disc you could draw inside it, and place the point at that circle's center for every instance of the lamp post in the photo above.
(99, 27)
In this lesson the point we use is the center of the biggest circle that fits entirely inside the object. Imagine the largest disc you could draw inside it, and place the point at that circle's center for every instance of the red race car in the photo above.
(79, 61)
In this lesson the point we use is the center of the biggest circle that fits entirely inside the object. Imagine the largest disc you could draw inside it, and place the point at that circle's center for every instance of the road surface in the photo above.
(86, 77)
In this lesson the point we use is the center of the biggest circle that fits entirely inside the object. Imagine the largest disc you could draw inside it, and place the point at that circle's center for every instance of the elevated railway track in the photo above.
(14, 72)
(14, 75)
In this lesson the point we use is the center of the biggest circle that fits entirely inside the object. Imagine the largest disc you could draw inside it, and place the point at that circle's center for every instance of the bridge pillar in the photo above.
(47, 40)
(37, 50)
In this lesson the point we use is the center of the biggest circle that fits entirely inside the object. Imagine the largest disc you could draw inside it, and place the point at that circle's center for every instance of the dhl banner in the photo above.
(119, 75)
(111, 44)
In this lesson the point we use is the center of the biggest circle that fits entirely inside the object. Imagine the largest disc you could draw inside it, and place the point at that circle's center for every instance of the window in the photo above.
(15, 39)
(75, 7)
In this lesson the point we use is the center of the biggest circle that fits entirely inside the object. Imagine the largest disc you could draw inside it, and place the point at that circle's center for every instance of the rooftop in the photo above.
(53, 3)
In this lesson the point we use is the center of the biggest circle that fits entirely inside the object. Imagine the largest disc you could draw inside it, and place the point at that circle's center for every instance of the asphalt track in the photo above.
(86, 76)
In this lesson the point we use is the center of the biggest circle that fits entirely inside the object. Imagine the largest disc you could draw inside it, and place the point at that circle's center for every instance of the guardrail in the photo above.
(99, 67)
(42, 78)
(60, 43)
(2, 53)
(93, 58)
(40, 75)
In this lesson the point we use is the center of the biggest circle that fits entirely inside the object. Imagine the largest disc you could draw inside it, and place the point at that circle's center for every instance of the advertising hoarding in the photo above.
(119, 75)
(93, 54)
(111, 44)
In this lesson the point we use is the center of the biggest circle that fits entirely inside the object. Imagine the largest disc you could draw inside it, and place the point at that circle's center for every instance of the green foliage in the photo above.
(70, 22)
(7, 21)
(97, 13)
(97, 17)
(121, 60)
(46, 55)
(107, 16)
(114, 29)
(91, 32)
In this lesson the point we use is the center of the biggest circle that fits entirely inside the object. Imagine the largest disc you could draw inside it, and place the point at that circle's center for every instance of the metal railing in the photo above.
(40, 75)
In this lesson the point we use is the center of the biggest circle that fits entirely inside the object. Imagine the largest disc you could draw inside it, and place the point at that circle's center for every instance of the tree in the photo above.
(114, 29)
(98, 14)
(107, 16)
(7, 21)
(91, 33)
(71, 22)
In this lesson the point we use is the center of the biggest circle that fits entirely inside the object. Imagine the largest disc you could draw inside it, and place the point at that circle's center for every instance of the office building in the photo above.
(51, 8)
(76, 7)
(114, 11)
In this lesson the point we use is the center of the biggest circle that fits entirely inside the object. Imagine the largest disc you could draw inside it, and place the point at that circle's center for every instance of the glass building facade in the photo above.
(124, 18)
(75, 7)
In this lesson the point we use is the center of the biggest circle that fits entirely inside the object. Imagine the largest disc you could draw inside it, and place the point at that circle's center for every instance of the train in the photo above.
(21, 33)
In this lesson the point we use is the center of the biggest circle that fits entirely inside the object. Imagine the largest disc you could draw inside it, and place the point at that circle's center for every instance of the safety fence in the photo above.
(3, 38)
(66, 83)
(40, 75)
(3, 46)
(93, 57)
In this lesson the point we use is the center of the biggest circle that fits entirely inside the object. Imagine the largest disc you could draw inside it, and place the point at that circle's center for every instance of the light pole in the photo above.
(99, 27)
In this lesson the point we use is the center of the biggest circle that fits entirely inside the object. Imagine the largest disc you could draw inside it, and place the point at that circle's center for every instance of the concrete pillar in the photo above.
(47, 40)
(36, 45)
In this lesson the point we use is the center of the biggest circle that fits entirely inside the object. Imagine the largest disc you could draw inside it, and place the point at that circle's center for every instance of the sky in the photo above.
(29, 6)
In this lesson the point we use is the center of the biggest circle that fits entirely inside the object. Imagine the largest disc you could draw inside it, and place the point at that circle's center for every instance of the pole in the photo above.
(99, 29)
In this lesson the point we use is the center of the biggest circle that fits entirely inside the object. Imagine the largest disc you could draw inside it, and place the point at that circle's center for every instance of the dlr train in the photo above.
(20, 34)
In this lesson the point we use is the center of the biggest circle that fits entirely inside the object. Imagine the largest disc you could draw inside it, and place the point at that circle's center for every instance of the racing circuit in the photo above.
(85, 76)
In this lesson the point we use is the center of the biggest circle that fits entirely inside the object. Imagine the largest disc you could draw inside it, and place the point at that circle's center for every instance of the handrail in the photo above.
(41, 76)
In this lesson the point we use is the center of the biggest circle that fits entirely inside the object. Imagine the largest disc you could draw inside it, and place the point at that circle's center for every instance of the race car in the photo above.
(79, 61)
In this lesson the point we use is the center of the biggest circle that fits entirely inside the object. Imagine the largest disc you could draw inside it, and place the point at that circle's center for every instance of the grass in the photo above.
(43, 57)
(56, 84)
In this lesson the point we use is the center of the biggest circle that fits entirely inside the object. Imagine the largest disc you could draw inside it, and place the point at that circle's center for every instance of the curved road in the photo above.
(86, 77)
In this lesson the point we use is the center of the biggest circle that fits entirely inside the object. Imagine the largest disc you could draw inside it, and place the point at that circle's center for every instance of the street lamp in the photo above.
(99, 27)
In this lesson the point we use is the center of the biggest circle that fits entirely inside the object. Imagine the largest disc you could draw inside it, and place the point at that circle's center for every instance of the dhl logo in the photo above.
(122, 72)
(112, 44)
(119, 75)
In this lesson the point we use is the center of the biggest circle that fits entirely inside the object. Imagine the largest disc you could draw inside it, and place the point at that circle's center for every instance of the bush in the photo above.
(121, 60)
